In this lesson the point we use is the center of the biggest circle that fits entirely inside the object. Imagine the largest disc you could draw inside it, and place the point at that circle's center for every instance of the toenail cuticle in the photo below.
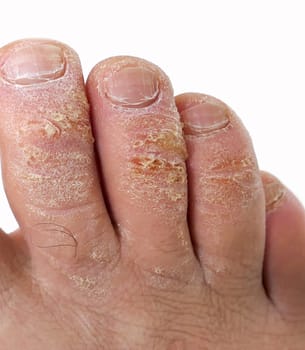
(132, 87)
(34, 64)
(204, 118)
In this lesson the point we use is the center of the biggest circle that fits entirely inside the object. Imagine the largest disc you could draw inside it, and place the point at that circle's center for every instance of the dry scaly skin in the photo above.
(46, 137)
(52, 153)
(275, 192)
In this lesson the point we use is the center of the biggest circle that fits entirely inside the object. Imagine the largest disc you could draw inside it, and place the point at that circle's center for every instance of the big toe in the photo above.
(47, 153)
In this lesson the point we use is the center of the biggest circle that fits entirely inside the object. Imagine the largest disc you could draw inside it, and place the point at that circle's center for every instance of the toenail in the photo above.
(34, 64)
(204, 118)
(274, 192)
(132, 87)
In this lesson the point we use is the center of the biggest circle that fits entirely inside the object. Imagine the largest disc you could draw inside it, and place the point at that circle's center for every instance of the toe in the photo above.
(142, 157)
(47, 152)
(226, 203)
(285, 247)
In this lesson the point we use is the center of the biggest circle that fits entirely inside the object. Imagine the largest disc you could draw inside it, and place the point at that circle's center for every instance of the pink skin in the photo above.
(225, 191)
(163, 234)
(285, 251)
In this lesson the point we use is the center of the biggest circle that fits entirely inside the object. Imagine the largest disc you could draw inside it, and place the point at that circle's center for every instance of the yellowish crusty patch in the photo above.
(149, 165)
(228, 181)
(233, 164)
(167, 140)
(55, 127)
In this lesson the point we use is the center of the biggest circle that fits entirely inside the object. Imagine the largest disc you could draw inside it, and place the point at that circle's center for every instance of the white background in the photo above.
(248, 53)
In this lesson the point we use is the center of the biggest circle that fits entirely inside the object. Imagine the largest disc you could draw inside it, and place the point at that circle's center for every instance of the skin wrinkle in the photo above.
(161, 277)
(173, 308)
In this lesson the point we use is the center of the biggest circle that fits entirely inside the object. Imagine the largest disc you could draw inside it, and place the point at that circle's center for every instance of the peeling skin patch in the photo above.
(60, 118)
(174, 196)
(102, 255)
(159, 177)
(156, 166)
(177, 175)
(54, 149)
(43, 128)
(233, 165)
(228, 181)
(33, 156)
(155, 133)
(167, 140)
(160, 181)
(229, 190)
(97, 255)
(54, 128)
(89, 285)
(71, 188)
(157, 152)
(152, 166)
(84, 283)
(51, 130)
(70, 172)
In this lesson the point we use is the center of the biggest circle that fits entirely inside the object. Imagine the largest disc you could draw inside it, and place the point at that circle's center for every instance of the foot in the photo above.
(154, 236)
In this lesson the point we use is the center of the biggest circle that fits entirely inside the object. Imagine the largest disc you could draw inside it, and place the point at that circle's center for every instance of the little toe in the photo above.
(226, 199)
(142, 156)
(47, 153)
(284, 264)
